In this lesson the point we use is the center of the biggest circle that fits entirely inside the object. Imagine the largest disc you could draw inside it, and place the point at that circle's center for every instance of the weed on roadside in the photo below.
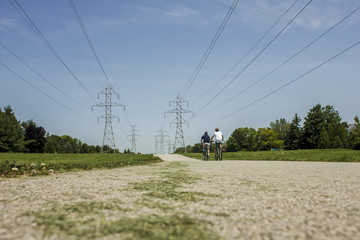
(154, 211)
(173, 177)
(86, 220)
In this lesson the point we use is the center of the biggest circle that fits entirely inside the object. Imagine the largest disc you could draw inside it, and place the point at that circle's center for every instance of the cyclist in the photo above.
(219, 137)
(205, 140)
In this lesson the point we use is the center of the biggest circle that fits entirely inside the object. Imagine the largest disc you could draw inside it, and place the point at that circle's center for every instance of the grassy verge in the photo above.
(14, 164)
(326, 155)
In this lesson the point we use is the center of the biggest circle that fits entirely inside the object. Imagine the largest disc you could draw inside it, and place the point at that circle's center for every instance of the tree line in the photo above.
(322, 128)
(16, 136)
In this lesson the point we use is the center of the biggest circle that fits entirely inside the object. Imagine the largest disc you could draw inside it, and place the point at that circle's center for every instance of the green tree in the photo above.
(11, 134)
(34, 137)
(189, 149)
(293, 139)
(85, 148)
(268, 139)
(180, 150)
(282, 127)
(69, 145)
(319, 117)
(324, 141)
(197, 148)
(98, 148)
(58, 143)
(231, 145)
(49, 145)
(355, 135)
(245, 138)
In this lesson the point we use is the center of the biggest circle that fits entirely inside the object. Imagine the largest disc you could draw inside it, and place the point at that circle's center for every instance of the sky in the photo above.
(149, 51)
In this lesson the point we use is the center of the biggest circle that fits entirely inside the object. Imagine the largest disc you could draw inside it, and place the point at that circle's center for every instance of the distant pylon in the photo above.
(156, 145)
(160, 139)
(108, 138)
(169, 146)
(179, 120)
(133, 139)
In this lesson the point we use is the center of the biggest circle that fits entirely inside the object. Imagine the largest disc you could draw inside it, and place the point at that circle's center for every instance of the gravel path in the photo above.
(232, 199)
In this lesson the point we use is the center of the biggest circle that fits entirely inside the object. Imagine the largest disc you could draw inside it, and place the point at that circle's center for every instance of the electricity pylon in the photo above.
(179, 120)
(169, 146)
(133, 138)
(160, 138)
(108, 138)
(156, 145)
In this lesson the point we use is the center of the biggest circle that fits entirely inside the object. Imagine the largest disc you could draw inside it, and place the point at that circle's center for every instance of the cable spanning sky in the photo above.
(150, 49)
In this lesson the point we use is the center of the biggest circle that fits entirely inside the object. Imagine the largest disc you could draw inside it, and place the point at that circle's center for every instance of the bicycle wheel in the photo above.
(216, 152)
(220, 155)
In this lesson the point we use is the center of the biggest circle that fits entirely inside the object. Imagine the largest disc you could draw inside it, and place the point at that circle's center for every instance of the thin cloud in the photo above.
(257, 13)
(320, 17)
(180, 13)
(7, 23)
(161, 15)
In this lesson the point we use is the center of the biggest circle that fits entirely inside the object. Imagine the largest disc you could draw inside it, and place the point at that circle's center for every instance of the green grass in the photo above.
(173, 177)
(87, 220)
(328, 155)
(42, 164)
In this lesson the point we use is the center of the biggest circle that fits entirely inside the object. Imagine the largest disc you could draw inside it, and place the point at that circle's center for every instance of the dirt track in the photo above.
(233, 199)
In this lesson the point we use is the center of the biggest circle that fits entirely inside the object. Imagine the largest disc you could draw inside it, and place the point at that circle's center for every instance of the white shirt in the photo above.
(218, 136)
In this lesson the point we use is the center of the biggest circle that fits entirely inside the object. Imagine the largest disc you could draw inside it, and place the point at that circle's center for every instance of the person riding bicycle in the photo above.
(205, 140)
(219, 137)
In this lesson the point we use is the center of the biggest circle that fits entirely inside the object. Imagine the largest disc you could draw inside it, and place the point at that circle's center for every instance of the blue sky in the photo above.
(149, 50)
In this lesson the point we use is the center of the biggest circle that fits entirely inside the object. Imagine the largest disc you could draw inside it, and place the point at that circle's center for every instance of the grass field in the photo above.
(326, 155)
(14, 164)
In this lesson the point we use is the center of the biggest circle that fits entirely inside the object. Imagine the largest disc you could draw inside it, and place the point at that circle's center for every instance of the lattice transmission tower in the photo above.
(156, 145)
(160, 140)
(108, 138)
(133, 136)
(179, 120)
(170, 150)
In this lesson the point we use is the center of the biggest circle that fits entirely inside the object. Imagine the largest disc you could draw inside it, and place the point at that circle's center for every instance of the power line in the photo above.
(95, 35)
(288, 60)
(210, 48)
(254, 57)
(47, 95)
(42, 77)
(92, 46)
(87, 38)
(247, 53)
(67, 34)
(47, 44)
(285, 85)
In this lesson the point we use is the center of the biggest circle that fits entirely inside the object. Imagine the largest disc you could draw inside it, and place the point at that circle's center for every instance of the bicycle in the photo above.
(206, 153)
(218, 152)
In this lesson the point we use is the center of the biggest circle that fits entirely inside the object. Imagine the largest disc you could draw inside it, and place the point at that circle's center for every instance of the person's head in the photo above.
(206, 133)
(216, 129)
